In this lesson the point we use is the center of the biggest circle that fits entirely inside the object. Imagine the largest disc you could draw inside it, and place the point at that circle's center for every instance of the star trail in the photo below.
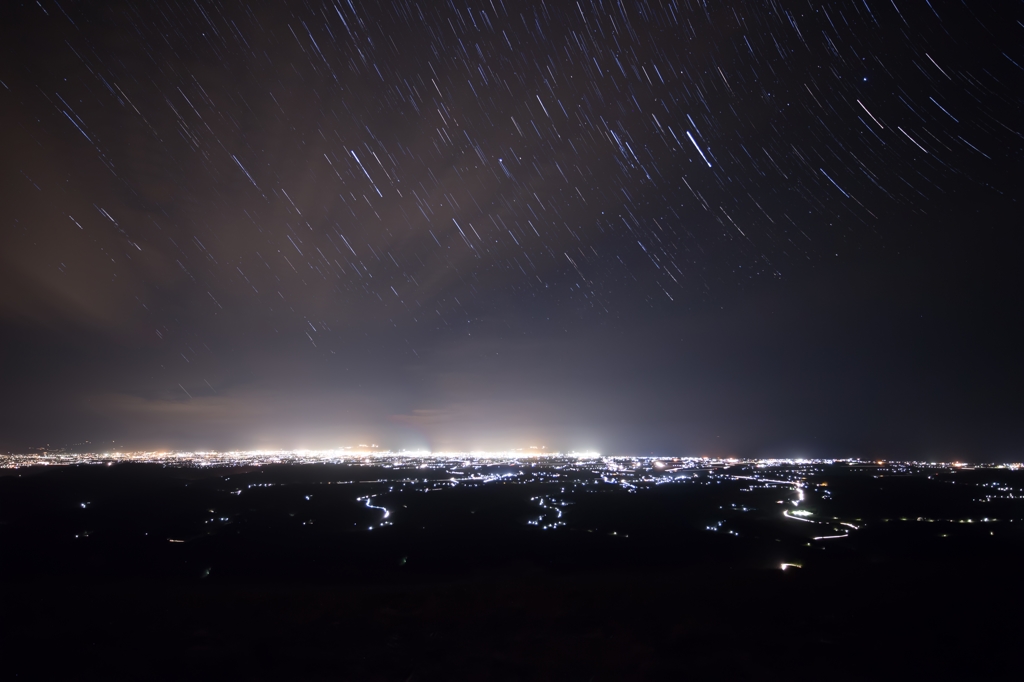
(676, 226)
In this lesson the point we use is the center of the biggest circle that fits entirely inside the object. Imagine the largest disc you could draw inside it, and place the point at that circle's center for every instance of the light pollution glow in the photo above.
(347, 455)
(368, 454)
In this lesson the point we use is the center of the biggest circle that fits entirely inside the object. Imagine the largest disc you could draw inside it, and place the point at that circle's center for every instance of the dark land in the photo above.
(637, 569)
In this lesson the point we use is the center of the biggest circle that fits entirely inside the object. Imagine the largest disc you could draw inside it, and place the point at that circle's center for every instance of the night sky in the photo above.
(675, 227)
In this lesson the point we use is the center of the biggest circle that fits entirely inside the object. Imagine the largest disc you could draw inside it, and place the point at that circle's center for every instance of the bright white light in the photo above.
(795, 518)
(257, 457)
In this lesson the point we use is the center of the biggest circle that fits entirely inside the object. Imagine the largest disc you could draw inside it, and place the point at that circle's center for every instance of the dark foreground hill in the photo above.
(903, 621)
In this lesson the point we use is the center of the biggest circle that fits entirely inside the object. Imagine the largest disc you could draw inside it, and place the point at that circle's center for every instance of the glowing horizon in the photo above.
(350, 454)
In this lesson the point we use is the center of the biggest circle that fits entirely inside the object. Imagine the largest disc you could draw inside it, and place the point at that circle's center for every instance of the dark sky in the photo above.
(674, 227)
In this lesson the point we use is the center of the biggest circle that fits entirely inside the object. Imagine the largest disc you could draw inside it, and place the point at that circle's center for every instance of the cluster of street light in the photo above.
(797, 485)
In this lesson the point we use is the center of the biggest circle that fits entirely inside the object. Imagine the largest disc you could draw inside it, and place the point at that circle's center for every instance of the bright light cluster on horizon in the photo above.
(258, 457)
(368, 454)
